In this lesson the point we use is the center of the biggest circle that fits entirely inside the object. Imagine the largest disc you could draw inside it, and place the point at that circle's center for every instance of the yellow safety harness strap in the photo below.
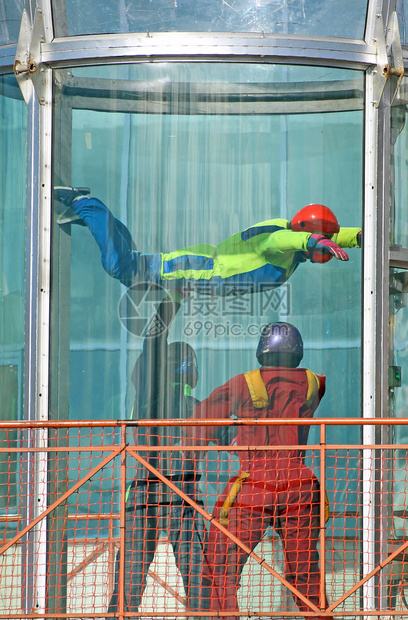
(326, 507)
(231, 497)
(257, 388)
(260, 399)
(313, 386)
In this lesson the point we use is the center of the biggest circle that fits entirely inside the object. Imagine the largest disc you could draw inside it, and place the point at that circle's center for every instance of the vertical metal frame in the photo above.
(45, 7)
(369, 338)
(382, 338)
(384, 517)
(369, 314)
(30, 347)
(43, 292)
(36, 365)
(376, 292)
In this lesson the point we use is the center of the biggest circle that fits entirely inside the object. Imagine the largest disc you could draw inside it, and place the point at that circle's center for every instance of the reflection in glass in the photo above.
(398, 391)
(12, 213)
(399, 225)
(10, 18)
(312, 18)
(402, 11)
(12, 239)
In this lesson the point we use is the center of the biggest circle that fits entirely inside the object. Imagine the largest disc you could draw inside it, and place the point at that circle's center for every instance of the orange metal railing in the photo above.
(62, 560)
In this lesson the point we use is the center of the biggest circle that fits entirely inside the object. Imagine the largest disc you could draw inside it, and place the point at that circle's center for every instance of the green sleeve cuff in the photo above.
(347, 237)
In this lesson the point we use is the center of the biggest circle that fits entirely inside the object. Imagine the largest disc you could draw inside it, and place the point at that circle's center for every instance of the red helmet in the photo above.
(315, 218)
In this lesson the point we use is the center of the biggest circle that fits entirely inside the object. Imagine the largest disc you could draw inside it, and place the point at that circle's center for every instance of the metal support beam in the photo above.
(28, 68)
(369, 338)
(390, 62)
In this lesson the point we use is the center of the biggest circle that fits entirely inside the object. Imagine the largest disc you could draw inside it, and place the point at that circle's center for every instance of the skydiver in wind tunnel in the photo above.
(262, 257)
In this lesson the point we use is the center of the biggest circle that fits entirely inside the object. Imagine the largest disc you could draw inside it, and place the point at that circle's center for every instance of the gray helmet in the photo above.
(280, 345)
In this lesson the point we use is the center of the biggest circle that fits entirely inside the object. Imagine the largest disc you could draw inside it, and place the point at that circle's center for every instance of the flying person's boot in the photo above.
(64, 197)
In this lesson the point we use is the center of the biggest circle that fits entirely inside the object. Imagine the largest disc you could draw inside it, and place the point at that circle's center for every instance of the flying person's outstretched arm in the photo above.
(348, 238)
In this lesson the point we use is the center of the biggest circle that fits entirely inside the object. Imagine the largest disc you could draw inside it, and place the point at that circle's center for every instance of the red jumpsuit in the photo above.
(273, 488)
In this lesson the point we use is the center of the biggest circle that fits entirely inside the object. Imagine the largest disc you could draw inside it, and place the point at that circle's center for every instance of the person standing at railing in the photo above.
(273, 487)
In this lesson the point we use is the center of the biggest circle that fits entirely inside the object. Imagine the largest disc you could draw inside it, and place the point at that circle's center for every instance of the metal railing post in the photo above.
(122, 523)
(322, 517)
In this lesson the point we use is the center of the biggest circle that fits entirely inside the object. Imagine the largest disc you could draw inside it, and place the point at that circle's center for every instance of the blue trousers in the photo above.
(119, 256)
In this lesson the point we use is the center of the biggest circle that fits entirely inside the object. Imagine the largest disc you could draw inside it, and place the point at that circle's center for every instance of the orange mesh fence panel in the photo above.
(125, 520)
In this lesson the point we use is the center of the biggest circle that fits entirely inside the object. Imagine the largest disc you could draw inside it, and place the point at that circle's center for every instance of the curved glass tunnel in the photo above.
(193, 133)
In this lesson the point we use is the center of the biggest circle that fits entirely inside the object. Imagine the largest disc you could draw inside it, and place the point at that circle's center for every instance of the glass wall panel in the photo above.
(10, 18)
(13, 136)
(328, 18)
(399, 137)
(402, 11)
(186, 156)
(398, 386)
(398, 368)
